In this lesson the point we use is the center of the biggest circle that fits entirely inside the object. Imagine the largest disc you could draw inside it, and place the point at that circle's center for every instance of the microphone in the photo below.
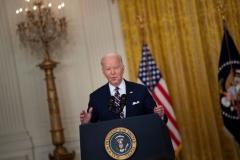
(111, 103)
(123, 100)
(117, 109)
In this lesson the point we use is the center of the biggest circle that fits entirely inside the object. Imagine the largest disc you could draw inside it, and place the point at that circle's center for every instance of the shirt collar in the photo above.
(121, 86)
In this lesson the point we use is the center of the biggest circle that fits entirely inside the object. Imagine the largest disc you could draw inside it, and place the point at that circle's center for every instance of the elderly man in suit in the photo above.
(139, 100)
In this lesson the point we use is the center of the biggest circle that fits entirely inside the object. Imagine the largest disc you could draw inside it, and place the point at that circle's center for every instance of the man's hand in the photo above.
(159, 110)
(85, 117)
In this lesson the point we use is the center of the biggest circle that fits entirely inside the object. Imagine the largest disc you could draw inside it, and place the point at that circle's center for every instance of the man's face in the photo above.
(113, 70)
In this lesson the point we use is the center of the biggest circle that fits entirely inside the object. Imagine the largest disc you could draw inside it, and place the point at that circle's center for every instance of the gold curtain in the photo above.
(184, 37)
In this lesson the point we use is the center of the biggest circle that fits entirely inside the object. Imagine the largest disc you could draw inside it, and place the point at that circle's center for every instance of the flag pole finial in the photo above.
(222, 6)
(141, 21)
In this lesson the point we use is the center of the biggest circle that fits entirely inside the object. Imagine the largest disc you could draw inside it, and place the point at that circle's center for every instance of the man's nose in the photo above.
(112, 71)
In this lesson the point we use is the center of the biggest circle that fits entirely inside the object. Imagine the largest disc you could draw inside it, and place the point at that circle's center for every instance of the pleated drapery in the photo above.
(185, 40)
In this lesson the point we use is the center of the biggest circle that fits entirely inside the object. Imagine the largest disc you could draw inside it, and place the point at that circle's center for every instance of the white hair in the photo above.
(112, 55)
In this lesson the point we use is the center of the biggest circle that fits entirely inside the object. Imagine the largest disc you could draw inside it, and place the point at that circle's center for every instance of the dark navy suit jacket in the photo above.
(134, 92)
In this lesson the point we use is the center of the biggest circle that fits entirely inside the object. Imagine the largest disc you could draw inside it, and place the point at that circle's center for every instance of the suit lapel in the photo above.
(106, 94)
(130, 96)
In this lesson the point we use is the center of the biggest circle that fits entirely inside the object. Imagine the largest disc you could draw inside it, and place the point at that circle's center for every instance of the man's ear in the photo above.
(103, 73)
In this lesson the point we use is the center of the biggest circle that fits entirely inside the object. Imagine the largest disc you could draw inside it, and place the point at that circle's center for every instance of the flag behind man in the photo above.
(229, 84)
(150, 76)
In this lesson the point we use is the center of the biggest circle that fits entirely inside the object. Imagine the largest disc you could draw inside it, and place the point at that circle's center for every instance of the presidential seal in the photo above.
(120, 143)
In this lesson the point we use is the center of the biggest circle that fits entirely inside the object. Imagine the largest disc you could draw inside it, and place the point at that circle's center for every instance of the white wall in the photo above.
(93, 30)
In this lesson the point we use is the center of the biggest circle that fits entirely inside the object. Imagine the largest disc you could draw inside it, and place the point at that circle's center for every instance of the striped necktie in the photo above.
(117, 101)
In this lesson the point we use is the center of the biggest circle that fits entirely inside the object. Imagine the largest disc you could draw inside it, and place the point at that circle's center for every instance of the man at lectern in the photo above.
(106, 100)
